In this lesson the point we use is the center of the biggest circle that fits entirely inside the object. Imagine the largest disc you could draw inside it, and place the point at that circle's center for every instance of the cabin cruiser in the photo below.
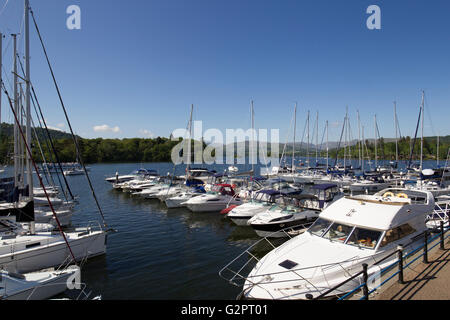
(282, 218)
(352, 231)
(320, 196)
(178, 200)
(368, 185)
(261, 201)
(220, 196)
(133, 175)
(200, 174)
(35, 285)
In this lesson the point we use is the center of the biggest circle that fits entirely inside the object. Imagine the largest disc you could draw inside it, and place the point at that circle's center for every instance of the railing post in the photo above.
(400, 264)
(365, 279)
(442, 235)
(425, 247)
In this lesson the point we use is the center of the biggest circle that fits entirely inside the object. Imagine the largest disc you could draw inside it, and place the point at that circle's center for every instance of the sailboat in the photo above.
(22, 249)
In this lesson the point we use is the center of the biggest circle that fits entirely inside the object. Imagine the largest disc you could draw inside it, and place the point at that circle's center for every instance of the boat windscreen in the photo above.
(319, 227)
(364, 238)
(338, 232)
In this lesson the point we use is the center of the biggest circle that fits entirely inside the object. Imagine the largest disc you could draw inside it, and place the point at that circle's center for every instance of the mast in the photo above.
(421, 140)
(28, 105)
(396, 131)
(362, 147)
(16, 110)
(437, 151)
(253, 141)
(1, 81)
(359, 139)
(295, 129)
(188, 160)
(327, 142)
(376, 157)
(345, 138)
(317, 136)
(307, 145)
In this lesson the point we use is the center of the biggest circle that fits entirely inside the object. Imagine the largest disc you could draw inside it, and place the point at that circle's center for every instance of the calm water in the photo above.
(157, 253)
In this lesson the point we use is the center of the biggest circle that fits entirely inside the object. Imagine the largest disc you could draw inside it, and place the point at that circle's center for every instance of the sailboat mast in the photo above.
(362, 148)
(317, 136)
(327, 143)
(1, 80)
(189, 157)
(421, 140)
(253, 141)
(376, 157)
(28, 105)
(295, 129)
(16, 111)
(359, 139)
(396, 131)
(307, 145)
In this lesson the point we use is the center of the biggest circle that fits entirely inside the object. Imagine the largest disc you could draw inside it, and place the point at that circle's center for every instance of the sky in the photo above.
(135, 67)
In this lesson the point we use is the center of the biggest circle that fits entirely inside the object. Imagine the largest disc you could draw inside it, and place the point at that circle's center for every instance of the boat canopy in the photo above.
(324, 186)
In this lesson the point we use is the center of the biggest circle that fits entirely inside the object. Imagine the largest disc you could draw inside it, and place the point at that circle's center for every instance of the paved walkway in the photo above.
(424, 281)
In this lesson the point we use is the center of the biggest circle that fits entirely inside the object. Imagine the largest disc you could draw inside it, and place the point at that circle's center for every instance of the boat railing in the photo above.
(387, 273)
(237, 271)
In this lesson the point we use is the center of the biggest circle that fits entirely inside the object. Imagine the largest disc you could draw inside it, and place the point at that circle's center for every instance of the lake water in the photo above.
(157, 253)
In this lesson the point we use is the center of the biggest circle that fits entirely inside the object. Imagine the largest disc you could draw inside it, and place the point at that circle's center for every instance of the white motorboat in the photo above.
(73, 172)
(133, 175)
(262, 200)
(36, 285)
(278, 220)
(170, 192)
(220, 197)
(350, 232)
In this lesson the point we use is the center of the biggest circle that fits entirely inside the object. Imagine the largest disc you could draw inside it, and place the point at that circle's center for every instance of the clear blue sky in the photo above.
(138, 65)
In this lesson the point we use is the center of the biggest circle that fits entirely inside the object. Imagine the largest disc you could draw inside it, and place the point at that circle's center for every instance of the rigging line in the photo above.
(37, 173)
(53, 149)
(4, 7)
(37, 139)
(68, 121)
(415, 138)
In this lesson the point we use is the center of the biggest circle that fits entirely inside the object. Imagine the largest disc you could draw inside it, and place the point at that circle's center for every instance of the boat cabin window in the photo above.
(338, 232)
(364, 238)
(319, 227)
(397, 234)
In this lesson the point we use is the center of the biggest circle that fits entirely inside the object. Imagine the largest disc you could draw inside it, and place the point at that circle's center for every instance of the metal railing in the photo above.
(401, 258)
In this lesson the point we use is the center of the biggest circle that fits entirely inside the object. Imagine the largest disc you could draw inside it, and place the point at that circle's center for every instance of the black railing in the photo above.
(400, 262)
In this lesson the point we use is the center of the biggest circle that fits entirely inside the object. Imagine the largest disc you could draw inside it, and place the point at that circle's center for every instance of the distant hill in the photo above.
(7, 129)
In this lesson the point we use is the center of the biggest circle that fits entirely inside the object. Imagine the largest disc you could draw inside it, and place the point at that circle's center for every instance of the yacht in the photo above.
(261, 201)
(133, 175)
(35, 285)
(22, 251)
(178, 201)
(352, 231)
(220, 197)
(320, 196)
(282, 218)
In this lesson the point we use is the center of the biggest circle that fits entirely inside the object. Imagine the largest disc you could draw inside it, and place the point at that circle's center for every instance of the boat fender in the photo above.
(226, 210)
(388, 194)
